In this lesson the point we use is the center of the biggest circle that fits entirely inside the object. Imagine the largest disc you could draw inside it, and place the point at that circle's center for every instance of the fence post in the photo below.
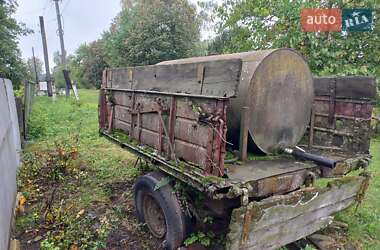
(28, 95)
(21, 117)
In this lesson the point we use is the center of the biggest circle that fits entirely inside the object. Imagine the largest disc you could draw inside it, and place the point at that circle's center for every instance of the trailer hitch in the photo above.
(299, 153)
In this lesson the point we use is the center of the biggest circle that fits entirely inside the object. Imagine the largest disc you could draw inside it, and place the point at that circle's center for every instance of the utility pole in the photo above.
(35, 66)
(63, 51)
(46, 56)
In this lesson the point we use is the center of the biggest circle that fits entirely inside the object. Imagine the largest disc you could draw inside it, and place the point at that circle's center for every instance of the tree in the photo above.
(11, 64)
(31, 71)
(88, 64)
(57, 75)
(150, 31)
(263, 24)
(219, 43)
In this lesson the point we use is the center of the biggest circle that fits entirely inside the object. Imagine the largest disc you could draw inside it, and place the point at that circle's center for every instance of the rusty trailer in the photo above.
(216, 130)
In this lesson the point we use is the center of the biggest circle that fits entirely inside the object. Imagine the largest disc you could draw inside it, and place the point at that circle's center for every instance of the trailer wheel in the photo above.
(160, 210)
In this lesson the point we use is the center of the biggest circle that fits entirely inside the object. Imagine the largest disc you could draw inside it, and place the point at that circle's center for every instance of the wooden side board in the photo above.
(279, 220)
(352, 87)
(342, 114)
(215, 78)
(188, 128)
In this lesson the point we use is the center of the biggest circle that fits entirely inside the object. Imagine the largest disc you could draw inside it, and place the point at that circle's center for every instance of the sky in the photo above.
(83, 21)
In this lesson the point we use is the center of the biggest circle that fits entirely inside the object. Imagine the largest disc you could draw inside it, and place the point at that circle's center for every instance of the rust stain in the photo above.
(196, 126)
(246, 226)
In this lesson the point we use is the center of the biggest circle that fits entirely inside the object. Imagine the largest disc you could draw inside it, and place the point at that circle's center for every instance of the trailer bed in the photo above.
(179, 125)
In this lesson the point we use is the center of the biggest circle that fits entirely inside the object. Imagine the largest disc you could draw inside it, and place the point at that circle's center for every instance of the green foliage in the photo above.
(31, 72)
(153, 31)
(78, 231)
(258, 24)
(204, 239)
(57, 76)
(11, 64)
(88, 64)
(50, 119)
(50, 166)
(219, 43)
(19, 93)
(37, 125)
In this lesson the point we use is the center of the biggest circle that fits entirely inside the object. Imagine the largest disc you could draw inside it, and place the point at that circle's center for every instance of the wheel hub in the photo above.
(154, 217)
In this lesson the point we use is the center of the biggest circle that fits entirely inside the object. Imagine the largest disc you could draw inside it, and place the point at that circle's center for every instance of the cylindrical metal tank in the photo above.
(277, 86)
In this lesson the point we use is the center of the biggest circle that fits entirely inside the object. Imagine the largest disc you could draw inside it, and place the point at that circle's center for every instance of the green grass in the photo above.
(51, 121)
(106, 166)
(62, 119)
(364, 224)
(89, 186)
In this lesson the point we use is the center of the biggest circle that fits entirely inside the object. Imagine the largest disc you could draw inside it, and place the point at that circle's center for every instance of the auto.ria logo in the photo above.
(356, 20)
(336, 20)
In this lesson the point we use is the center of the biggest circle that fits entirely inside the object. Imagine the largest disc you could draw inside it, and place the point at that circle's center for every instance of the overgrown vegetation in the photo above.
(259, 24)
(147, 32)
(11, 64)
(77, 185)
(202, 238)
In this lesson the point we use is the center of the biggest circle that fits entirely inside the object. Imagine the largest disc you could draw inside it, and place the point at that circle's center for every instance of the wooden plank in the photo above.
(185, 129)
(122, 98)
(219, 78)
(279, 220)
(342, 107)
(120, 79)
(122, 113)
(190, 135)
(20, 116)
(102, 103)
(356, 87)
(126, 127)
(191, 153)
(190, 131)
(192, 108)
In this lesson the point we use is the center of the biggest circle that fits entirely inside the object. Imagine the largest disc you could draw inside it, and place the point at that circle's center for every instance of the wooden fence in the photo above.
(24, 108)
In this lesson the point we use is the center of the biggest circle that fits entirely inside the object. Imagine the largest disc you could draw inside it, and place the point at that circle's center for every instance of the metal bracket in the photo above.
(201, 75)
(311, 128)
(130, 78)
(171, 147)
(243, 143)
(244, 197)
(332, 90)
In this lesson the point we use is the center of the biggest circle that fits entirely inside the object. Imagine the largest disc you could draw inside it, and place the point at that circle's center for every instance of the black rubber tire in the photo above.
(176, 221)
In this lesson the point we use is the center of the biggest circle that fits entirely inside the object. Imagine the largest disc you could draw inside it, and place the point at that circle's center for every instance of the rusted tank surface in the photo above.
(277, 87)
